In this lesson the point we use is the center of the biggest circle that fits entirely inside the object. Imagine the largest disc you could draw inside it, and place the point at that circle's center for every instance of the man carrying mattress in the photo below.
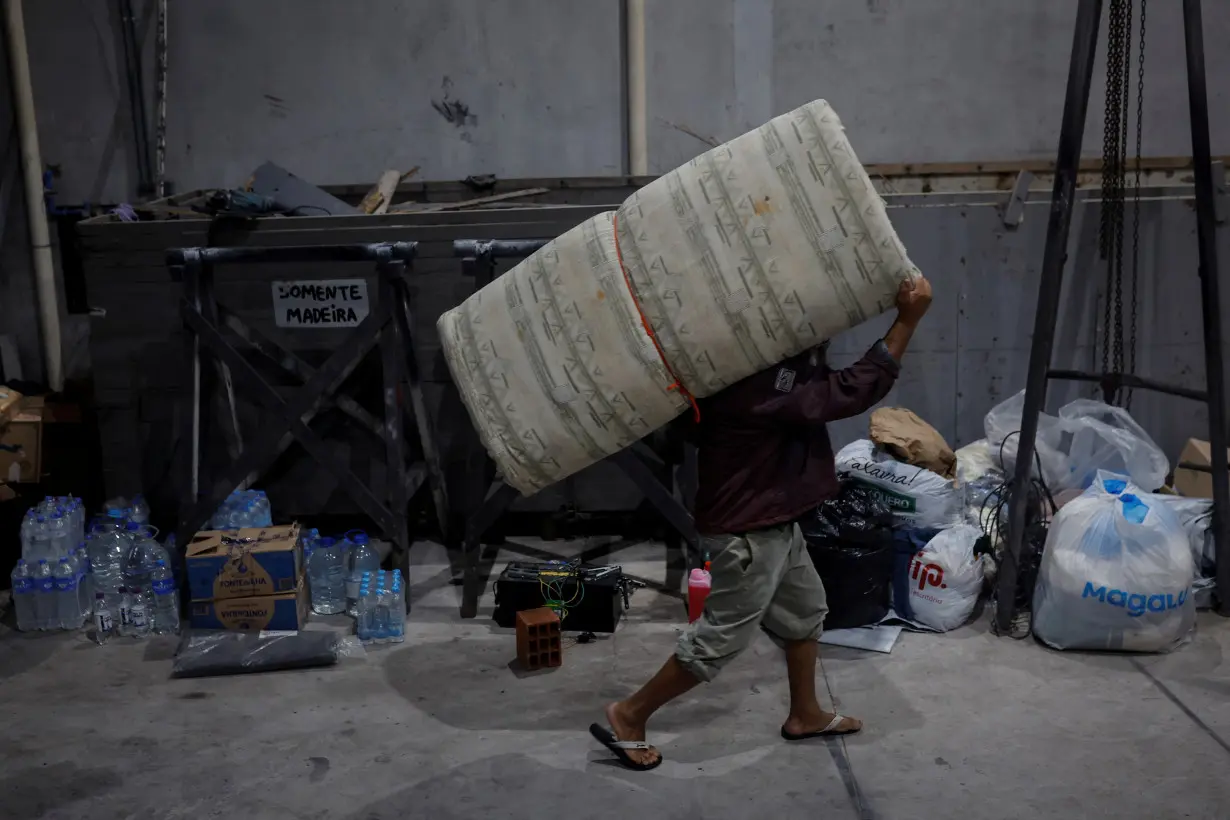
(765, 460)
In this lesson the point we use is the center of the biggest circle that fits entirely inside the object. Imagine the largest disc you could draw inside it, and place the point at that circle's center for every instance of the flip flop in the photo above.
(827, 731)
(618, 747)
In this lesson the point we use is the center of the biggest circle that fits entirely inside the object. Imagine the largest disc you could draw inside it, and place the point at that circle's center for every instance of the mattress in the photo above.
(754, 251)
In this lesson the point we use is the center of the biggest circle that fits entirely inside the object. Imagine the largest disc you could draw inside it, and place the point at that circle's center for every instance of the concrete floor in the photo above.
(958, 725)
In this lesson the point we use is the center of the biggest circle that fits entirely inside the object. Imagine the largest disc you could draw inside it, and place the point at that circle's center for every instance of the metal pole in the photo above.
(1206, 238)
(47, 296)
(1080, 76)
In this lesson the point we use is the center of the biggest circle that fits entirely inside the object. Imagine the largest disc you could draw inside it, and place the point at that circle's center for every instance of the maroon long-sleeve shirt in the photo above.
(764, 456)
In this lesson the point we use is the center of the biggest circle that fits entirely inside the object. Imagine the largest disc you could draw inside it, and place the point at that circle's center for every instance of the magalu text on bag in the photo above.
(1136, 603)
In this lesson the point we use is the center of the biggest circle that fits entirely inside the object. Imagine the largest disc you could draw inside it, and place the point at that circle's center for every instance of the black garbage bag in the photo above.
(850, 540)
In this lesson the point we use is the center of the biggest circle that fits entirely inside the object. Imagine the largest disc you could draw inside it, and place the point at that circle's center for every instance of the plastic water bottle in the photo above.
(380, 615)
(138, 613)
(327, 578)
(64, 573)
(365, 620)
(224, 516)
(104, 621)
(85, 581)
(24, 597)
(363, 558)
(41, 548)
(75, 513)
(46, 607)
(699, 584)
(108, 551)
(166, 600)
(139, 511)
(373, 612)
(397, 612)
(28, 524)
(59, 536)
(246, 508)
(242, 514)
(68, 605)
(142, 557)
(234, 515)
(386, 610)
(310, 539)
(125, 607)
(264, 512)
(362, 621)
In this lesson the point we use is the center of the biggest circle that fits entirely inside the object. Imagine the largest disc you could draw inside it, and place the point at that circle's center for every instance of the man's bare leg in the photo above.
(628, 717)
(805, 712)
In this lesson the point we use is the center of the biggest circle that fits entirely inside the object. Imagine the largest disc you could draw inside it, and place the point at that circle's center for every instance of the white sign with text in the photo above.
(320, 303)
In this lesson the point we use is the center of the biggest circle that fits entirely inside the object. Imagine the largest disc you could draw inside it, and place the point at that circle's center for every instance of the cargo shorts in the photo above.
(760, 578)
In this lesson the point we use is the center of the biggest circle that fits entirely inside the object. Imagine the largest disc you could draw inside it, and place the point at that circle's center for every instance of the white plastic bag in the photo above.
(1196, 517)
(1116, 573)
(915, 494)
(1108, 438)
(1003, 425)
(974, 461)
(1085, 437)
(946, 579)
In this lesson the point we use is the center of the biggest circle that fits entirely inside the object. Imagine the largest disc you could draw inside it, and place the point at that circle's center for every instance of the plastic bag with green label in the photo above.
(917, 496)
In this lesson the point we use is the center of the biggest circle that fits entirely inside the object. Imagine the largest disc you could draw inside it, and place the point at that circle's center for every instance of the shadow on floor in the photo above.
(516, 786)
(22, 651)
(39, 790)
(470, 685)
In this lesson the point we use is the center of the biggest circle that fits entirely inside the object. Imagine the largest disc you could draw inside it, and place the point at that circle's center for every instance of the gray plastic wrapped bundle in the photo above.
(754, 251)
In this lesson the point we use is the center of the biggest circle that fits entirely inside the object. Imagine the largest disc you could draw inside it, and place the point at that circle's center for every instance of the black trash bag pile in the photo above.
(850, 540)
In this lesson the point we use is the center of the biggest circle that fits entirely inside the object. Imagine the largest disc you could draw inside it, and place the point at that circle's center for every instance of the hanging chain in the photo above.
(1117, 353)
(1110, 160)
(1118, 356)
(1140, 110)
(160, 75)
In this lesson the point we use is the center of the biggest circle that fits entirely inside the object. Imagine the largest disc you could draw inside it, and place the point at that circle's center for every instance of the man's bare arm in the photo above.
(913, 299)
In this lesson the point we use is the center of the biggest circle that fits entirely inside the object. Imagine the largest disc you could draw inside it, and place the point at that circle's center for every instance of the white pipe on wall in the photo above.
(36, 212)
(634, 67)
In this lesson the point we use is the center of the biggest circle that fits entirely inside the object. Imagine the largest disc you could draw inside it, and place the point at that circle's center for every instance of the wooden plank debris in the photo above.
(418, 207)
(380, 197)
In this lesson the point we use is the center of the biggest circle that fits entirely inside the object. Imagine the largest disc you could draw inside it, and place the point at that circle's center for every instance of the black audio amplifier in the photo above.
(587, 599)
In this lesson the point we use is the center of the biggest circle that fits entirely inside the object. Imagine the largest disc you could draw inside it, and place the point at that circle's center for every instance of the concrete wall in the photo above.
(972, 351)
(338, 91)
(914, 80)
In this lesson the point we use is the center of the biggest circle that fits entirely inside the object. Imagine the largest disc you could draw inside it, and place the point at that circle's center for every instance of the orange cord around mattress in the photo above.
(677, 384)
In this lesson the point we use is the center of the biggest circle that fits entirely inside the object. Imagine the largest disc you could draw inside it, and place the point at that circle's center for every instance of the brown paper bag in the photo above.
(906, 437)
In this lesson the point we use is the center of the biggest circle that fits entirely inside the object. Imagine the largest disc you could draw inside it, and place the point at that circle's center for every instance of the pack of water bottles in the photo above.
(241, 509)
(344, 575)
(51, 581)
(335, 567)
(380, 611)
(116, 576)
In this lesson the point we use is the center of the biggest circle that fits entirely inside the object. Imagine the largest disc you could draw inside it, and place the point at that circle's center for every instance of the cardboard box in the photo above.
(288, 611)
(10, 404)
(244, 563)
(21, 446)
(1194, 483)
